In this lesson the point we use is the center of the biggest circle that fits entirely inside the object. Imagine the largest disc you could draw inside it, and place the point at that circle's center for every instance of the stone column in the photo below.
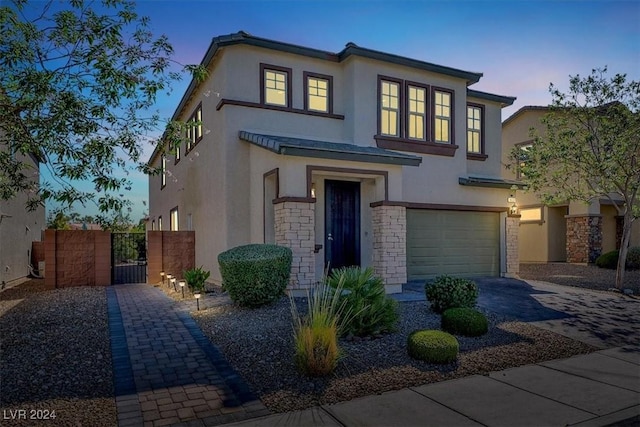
(512, 228)
(295, 229)
(584, 238)
(390, 246)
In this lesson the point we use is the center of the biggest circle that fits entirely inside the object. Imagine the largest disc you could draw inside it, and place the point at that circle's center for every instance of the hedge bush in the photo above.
(464, 321)
(451, 292)
(433, 346)
(633, 258)
(256, 274)
(610, 259)
(371, 310)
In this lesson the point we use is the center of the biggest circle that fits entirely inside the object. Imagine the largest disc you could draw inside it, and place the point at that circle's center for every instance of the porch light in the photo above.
(197, 295)
(181, 283)
(313, 190)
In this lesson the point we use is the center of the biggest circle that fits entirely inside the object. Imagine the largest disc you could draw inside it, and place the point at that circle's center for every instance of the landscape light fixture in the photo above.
(173, 280)
(169, 276)
(197, 295)
(181, 283)
(162, 276)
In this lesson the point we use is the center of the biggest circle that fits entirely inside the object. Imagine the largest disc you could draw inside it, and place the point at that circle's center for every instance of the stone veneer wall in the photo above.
(390, 245)
(77, 258)
(512, 228)
(170, 251)
(619, 230)
(295, 229)
(584, 238)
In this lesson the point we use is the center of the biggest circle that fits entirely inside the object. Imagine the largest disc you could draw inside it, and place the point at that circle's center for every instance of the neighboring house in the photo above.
(570, 232)
(352, 158)
(19, 227)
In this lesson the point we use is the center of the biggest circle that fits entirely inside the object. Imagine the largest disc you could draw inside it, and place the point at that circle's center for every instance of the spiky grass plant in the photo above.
(316, 335)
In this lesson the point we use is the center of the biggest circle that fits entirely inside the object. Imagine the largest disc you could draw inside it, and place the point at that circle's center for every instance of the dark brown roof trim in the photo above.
(504, 101)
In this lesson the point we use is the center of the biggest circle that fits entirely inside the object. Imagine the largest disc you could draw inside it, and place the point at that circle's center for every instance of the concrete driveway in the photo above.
(602, 319)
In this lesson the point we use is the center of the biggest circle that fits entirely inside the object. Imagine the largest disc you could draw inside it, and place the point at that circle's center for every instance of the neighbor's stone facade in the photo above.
(584, 238)
(295, 229)
(512, 228)
(390, 245)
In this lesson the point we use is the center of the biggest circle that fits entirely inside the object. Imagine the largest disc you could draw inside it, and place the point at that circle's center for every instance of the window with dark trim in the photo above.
(153, 225)
(475, 132)
(523, 157)
(275, 86)
(442, 116)
(415, 117)
(194, 129)
(417, 111)
(318, 92)
(174, 223)
(163, 171)
(160, 223)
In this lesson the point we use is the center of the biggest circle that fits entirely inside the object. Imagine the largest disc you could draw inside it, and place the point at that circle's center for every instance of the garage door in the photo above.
(458, 243)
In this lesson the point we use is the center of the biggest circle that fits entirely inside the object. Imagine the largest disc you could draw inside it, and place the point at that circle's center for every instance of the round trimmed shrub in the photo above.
(255, 274)
(633, 258)
(451, 292)
(433, 346)
(464, 321)
(608, 260)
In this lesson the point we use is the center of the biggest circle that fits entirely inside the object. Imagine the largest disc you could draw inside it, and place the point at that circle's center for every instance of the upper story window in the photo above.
(442, 104)
(153, 225)
(276, 85)
(475, 116)
(417, 111)
(174, 219)
(415, 117)
(160, 223)
(194, 128)
(318, 92)
(163, 171)
(389, 108)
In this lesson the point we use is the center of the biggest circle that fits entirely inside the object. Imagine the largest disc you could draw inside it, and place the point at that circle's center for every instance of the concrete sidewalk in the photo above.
(597, 389)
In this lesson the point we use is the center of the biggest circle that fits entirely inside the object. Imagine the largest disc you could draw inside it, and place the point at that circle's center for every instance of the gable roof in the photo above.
(524, 110)
(328, 150)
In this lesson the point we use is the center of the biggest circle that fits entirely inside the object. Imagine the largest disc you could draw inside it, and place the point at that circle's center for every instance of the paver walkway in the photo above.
(166, 371)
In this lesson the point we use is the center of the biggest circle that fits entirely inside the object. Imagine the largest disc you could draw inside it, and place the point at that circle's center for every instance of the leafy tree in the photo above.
(57, 220)
(590, 148)
(77, 83)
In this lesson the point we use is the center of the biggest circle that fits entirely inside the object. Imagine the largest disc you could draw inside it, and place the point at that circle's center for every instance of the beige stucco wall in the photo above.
(18, 228)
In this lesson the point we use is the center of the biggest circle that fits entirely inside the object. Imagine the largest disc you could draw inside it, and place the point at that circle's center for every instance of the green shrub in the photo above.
(316, 335)
(633, 258)
(464, 321)
(372, 311)
(608, 260)
(196, 278)
(256, 274)
(433, 346)
(451, 292)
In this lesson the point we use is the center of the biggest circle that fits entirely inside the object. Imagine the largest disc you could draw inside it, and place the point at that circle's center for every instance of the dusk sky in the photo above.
(519, 46)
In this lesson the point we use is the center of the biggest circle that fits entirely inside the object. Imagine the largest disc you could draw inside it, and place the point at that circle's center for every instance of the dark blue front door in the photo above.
(342, 223)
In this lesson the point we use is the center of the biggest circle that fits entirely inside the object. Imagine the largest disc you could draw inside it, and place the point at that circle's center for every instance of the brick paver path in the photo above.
(166, 371)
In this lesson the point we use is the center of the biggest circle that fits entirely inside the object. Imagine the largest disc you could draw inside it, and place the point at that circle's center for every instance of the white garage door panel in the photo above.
(452, 242)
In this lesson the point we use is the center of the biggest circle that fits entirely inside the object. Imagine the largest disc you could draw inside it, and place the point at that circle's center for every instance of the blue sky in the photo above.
(519, 46)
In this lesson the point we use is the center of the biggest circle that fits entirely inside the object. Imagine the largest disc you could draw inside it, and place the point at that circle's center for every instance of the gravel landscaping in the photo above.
(55, 351)
(582, 276)
(258, 343)
(55, 356)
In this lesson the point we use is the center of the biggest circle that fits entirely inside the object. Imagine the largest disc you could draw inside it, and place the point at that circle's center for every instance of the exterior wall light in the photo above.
(313, 190)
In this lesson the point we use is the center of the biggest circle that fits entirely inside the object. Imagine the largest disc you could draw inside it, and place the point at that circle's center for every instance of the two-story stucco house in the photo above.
(570, 232)
(352, 158)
